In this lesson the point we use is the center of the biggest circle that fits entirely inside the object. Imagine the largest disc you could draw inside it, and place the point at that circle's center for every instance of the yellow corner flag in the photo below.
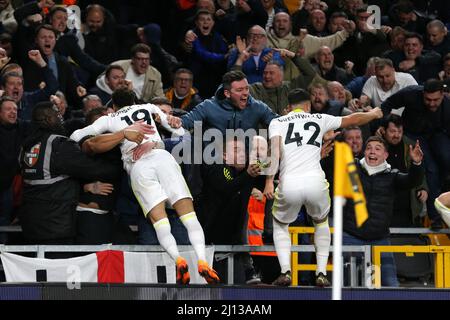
(346, 180)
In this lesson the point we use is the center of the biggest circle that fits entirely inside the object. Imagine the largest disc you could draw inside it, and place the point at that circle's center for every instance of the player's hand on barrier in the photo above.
(269, 189)
(254, 170)
(142, 149)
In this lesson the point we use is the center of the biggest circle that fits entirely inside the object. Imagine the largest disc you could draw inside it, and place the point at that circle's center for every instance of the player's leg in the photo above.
(286, 205)
(185, 210)
(322, 240)
(282, 242)
(442, 205)
(152, 198)
(158, 217)
(179, 196)
(318, 206)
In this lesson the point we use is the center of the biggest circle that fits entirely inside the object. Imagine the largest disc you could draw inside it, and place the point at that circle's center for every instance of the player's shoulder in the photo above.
(131, 109)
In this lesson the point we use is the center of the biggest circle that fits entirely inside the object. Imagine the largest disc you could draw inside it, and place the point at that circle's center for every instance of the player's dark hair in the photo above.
(297, 96)
(123, 97)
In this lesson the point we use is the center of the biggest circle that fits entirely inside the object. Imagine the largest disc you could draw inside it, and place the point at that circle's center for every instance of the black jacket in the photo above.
(67, 46)
(417, 119)
(224, 202)
(67, 80)
(11, 137)
(50, 165)
(379, 190)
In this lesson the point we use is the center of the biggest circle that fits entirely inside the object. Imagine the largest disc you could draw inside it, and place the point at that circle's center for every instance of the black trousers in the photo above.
(93, 228)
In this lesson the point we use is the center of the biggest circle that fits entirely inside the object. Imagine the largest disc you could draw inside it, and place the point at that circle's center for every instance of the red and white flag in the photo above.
(109, 266)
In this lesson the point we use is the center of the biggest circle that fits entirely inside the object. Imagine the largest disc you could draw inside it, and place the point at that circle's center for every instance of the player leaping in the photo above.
(296, 141)
(155, 177)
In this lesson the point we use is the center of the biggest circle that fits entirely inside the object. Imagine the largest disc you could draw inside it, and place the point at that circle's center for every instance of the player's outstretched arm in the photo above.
(361, 118)
(105, 142)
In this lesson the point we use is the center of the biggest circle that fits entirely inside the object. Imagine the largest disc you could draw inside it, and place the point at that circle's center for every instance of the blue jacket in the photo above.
(212, 54)
(219, 113)
(254, 73)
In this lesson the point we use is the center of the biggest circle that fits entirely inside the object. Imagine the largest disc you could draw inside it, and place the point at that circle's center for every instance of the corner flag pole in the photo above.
(346, 185)
(338, 204)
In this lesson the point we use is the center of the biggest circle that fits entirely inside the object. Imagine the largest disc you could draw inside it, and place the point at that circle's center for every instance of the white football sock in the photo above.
(282, 242)
(322, 240)
(195, 233)
(165, 238)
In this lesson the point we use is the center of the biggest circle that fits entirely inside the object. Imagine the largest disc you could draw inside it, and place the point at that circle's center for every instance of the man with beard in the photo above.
(408, 204)
(51, 163)
(321, 103)
(382, 85)
(426, 118)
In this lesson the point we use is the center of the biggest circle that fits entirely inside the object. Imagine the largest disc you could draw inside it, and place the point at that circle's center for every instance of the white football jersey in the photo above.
(121, 119)
(301, 141)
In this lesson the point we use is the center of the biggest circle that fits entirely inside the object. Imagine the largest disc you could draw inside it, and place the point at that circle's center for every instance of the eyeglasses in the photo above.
(256, 35)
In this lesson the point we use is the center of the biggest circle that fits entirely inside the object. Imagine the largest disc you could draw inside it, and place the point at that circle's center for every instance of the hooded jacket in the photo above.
(219, 113)
(102, 90)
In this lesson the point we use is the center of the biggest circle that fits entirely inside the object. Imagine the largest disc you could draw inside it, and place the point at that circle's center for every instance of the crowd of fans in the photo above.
(175, 54)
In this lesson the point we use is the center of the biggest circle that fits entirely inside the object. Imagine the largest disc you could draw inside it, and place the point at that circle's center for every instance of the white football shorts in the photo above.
(157, 177)
(294, 192)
